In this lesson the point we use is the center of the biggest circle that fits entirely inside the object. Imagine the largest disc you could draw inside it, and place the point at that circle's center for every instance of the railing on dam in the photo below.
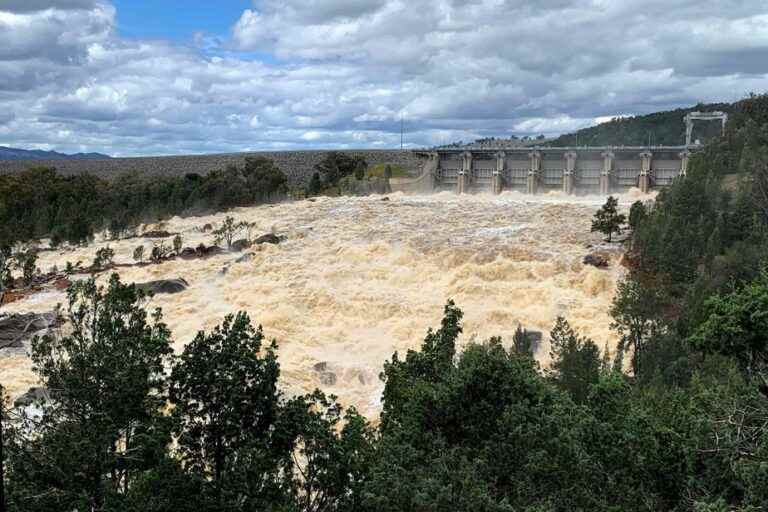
(570, 169)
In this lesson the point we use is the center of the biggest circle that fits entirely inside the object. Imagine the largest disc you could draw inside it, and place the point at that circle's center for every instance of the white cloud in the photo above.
(342, 73)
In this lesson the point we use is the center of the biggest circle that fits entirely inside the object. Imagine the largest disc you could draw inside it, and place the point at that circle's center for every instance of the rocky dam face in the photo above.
(357, 279)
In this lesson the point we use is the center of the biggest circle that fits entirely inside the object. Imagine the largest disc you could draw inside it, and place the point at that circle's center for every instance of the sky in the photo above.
(162, 77)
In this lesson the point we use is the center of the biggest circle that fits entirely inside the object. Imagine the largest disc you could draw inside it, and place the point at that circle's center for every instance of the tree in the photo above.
(228, 230)
(637, 213)
(736, 326)
(637, 312)
(6, 264)
(159, 252)
(138, 253)
(360, 169)
(103, 257)
(521, 342)
(332, 453)
(388, 171)
(607, 219)
(26, 261)
(576, 362)
(226, 404)
(177, 244)
(315, 185)
(103, 425)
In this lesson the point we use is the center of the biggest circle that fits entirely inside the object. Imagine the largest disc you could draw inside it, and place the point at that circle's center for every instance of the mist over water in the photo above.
(360, 278)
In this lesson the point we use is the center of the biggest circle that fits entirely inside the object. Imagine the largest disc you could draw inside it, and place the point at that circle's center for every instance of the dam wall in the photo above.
(572, 170)
(298, 166)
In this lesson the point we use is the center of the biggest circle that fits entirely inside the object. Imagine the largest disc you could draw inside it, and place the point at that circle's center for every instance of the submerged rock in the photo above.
(203, 250)
(596, 260)
(16, 329)
(156, 233)
(187, 253)
(164, 286)
(241, 245)
(269, 238)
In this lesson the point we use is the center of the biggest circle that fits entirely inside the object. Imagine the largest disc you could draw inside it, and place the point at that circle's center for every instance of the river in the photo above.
(359, 278)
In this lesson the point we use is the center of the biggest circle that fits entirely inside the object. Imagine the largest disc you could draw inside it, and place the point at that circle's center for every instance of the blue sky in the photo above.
(131, 77)
(177, 20)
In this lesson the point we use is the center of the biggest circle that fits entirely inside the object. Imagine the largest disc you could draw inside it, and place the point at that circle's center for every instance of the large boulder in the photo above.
(204, 251)
(241, 245)
(157, 233)
(16, 329)
(164, 286)
(596, 260)
(187, 253)
(269, 238)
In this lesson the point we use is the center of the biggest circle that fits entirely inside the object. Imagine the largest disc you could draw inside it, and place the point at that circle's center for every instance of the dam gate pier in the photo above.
(571, 170)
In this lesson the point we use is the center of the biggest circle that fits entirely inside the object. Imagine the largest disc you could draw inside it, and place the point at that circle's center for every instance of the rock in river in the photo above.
(164, 286)
(17, 328)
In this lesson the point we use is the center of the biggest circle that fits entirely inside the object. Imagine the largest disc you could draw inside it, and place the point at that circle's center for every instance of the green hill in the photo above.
(665, 128)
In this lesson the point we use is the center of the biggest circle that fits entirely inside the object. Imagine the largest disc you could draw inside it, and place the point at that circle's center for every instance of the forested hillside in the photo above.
(661, 128)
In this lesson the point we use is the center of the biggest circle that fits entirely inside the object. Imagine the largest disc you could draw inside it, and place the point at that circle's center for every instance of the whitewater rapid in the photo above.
(359, 278)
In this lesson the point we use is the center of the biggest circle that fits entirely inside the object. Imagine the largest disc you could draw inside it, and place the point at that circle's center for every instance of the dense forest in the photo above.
(41, 203)
(659, 129)
(675, 419)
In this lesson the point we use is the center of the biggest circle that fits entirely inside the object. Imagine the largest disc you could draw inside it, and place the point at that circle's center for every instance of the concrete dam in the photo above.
(572, 170)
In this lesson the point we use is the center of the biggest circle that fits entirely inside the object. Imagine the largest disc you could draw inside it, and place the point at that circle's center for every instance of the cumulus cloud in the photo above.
(342, 73)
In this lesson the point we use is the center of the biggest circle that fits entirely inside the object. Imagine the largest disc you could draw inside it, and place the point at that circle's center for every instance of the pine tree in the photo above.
(607, 219)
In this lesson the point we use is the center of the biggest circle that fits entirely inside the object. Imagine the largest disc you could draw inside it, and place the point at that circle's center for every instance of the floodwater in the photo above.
(359, 278)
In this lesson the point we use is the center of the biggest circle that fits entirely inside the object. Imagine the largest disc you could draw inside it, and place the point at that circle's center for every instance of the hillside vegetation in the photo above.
(664, 128)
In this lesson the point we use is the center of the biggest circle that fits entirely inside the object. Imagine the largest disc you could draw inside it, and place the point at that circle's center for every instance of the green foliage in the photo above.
(40, 202)
(103, 258)
(360, 169)
(336, 165)
(521, 342)
(637, 312)
(736, 325)
(637, 214)
(104, 426)
(228, 230)
(575, 363)
(26, 261)
(665, 128)
(332, 454)
(6, 266)
(226, 405)
(177, 244)
(138, 253)
(607, 219)
(160, 251)
(315, 185)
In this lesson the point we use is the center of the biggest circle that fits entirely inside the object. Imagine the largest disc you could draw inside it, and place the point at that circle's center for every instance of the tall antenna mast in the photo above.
(401, 132)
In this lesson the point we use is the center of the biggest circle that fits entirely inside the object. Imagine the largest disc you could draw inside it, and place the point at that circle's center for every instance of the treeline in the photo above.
(41, 203)
(660, 128)
(128, 426)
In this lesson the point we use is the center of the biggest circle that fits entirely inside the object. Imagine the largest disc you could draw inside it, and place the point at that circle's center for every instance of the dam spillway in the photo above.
(572, 170)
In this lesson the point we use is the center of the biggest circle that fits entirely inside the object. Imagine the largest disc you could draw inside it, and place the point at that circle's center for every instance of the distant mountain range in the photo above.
(37, 154)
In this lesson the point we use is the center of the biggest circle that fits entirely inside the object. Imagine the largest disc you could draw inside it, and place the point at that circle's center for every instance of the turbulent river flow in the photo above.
(357, 279)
